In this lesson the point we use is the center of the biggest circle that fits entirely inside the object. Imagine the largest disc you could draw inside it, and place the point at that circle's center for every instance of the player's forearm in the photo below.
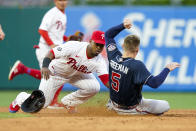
(112, 32)
(48, 58)
(156, 81)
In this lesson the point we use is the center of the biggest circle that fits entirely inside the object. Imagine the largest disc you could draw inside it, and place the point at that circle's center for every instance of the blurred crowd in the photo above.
(26, 3)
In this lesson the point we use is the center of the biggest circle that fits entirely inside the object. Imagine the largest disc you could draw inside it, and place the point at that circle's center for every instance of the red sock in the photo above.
(55, 99)
(32, 72)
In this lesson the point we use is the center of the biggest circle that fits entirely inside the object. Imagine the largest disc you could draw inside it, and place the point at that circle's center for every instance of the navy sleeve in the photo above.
(110, 42)
(141, 73)
(156, 81)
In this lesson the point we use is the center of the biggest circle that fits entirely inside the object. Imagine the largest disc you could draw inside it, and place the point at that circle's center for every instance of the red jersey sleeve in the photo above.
(46, 37)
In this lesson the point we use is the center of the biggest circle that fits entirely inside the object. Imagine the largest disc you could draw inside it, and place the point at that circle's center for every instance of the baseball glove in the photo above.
(34, 103)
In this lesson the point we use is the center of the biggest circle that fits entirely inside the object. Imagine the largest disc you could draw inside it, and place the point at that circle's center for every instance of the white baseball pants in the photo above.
(146, 106)
(20, 98)
(87, 84)
(41, 52)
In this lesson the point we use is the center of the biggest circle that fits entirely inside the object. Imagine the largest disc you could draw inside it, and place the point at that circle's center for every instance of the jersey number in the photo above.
(115, 81)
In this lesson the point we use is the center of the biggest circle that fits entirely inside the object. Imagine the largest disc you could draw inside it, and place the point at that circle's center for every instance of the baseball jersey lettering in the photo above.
(59, 24)
(119, 67)
(72, 60)
(126, 75)
(54, 22)
(81, 68)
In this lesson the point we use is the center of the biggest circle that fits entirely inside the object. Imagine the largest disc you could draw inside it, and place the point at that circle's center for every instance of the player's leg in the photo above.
(40, 54)
(50, 86)
(55, 104)
(121, 111)
(150, 106)
(88, 87)
(146, 106)
(19, 68)
(16, 104)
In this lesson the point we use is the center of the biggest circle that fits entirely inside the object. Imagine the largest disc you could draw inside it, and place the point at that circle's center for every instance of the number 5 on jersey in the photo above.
(115, 81)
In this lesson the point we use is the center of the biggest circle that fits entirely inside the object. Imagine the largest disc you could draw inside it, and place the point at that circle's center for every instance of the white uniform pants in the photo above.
(87, 84)
(41, 52)
(146, 106)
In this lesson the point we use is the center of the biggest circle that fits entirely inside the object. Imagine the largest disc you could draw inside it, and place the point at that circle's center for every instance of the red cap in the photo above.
(98, 37)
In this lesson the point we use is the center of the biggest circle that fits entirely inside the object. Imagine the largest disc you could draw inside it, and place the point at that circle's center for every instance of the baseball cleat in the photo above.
(13, 109)
(16, 70)
(56, 106)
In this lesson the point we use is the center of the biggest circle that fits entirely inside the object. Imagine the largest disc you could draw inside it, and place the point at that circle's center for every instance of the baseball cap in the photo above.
(98, 37)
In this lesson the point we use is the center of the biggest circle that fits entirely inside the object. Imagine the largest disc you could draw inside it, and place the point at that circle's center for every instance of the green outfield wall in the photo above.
(21, 29)
(167, 34)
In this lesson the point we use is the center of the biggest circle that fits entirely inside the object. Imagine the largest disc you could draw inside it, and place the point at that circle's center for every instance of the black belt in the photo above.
(123, 107)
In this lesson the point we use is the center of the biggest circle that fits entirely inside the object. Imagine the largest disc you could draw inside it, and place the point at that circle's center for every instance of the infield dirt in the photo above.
(99, 119)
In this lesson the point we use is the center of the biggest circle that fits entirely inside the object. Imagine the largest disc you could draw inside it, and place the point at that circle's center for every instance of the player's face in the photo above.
(61, 4)
(96, 48)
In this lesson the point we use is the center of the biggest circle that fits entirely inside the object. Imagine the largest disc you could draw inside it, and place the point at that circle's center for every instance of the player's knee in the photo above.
(165, 106)
(95, 89)
(21, 97)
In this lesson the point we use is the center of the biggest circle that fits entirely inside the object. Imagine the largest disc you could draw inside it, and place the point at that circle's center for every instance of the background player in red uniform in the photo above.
(52, 30)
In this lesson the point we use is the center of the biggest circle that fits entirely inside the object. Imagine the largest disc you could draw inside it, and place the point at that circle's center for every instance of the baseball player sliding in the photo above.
(127, 76)
(74, 63)
(52, 30)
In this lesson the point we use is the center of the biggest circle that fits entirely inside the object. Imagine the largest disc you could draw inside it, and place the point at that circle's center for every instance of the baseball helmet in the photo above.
(34, 103)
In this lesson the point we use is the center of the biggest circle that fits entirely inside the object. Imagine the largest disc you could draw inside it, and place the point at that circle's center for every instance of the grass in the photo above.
(13, 115)
(176, 100)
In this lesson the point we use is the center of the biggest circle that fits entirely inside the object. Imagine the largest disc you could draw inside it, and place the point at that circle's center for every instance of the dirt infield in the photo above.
(99, 119)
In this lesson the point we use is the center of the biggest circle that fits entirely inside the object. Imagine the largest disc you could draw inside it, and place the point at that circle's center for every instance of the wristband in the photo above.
(46, 62)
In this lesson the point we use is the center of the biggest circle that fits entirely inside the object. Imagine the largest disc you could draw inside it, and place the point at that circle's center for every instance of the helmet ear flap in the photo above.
(34, 103)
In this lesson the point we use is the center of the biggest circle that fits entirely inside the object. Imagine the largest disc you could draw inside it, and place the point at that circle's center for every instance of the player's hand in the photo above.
(45, 72)
(172, 66)
(52, 46)
(127, 23)
(2, 35)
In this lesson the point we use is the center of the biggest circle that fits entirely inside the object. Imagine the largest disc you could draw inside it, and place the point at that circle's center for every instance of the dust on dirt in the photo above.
(99, 119)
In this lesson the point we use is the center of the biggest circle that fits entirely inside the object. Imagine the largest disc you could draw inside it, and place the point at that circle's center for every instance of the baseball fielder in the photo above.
(74, 63)
(52, 31)
(127, 76)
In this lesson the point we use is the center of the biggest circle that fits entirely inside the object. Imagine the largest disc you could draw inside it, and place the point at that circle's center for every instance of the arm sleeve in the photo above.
(65, 38)
(45, 27)
(52, 52)
(111, 47)
(104, 78)
(46, 37)
(156, 81)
